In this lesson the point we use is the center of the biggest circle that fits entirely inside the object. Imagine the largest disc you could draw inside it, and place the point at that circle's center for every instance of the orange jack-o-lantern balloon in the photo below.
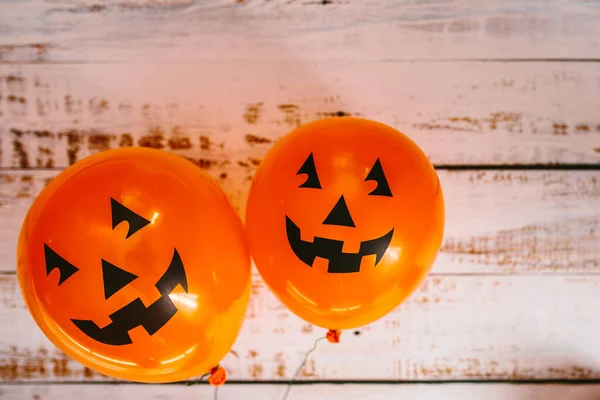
(345, 218)
(133, 262)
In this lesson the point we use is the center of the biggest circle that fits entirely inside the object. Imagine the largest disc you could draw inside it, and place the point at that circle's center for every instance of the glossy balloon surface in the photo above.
(345, 218)
(134, 263)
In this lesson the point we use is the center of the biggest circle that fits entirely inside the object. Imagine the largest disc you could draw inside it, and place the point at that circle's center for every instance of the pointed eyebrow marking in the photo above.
(121, 213)
(376, 174)
(54, 260)
(309, 168)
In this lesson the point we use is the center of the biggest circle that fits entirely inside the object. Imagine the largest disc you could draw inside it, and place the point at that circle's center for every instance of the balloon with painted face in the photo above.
(345, 218)
(134, 263)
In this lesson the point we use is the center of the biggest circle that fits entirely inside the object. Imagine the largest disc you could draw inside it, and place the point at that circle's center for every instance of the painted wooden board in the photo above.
(231, 112)
(453, 328)
(90, 30)
(458, 391)
(497, 222)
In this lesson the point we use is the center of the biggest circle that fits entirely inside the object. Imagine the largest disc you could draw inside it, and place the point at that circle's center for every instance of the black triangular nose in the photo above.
(114, 278)
(340, 215)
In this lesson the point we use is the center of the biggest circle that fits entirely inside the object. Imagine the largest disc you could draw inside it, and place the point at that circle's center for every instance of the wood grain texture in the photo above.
(90, 30)
(453, 327)
(227, 113)
(514, 291)
(497, 222)
(304, 392)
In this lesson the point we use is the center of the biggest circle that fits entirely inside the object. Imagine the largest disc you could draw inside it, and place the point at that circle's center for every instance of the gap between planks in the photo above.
(439, 167)
(336, 382)
(456, 391)
(384, 60)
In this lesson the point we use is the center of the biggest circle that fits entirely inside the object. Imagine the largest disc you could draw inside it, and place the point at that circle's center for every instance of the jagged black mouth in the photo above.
(134, 314)
(331, 250)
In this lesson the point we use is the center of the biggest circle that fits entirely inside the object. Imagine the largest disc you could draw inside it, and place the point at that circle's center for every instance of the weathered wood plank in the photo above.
(457, 391)
(498, 222)
(89, 30)
(231, 112)
(453, 327)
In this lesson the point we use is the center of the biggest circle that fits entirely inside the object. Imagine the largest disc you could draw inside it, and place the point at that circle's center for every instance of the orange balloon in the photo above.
(345, 218)
(133, 262)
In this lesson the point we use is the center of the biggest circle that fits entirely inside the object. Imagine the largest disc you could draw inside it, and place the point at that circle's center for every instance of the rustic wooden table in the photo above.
(504, 97)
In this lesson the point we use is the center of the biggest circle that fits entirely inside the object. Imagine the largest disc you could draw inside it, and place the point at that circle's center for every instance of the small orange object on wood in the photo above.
(333, 336)
(218, 376)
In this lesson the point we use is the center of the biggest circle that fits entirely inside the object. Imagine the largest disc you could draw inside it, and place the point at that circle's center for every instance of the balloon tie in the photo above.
(217, 376)
(291, 382)
(333, 336)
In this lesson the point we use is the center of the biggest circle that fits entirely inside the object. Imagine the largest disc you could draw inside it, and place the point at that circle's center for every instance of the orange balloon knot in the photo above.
(333, 336)
(218, 376)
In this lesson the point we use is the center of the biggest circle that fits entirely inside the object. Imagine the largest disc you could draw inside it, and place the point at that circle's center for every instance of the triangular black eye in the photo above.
(376, 174)
(121, 213)
(308, 168)
(53, 260)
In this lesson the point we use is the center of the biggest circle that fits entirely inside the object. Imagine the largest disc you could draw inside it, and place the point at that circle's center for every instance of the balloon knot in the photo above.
(333, 336)
(218, 376)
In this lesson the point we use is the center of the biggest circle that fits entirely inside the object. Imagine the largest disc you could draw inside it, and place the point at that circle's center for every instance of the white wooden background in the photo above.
(504, 97)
